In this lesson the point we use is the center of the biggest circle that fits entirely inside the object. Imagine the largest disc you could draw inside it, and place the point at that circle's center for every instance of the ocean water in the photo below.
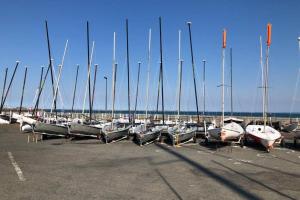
(242, 114)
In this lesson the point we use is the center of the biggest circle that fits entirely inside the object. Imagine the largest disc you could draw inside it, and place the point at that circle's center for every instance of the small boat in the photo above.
(230, 131)
(148, 136)
(24, 118)
(3, 121)
(265, 135)
(7, 119)
(114, 132)
(85, 130)
(180, 134)
(51, 129)
(26, 128)
(290, 127)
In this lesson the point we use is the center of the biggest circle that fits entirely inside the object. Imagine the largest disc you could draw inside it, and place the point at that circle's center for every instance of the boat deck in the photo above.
(88, 169)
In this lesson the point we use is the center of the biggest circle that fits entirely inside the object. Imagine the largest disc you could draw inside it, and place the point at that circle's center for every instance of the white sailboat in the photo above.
(143, 133)
(263, 134)
(116, 131)
(180, 132)
(231, 130)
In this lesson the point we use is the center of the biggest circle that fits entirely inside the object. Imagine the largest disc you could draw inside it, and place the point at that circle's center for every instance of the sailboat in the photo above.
(7, 118)
(49, 126)
(226, 131)
(180, 133)
(117, 131)
(89, 128)
(264, 134)
(143, 133)
(28, 120)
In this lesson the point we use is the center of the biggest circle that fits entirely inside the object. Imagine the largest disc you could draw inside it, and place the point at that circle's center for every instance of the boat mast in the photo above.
(105, 77)
(75, 87)
(89, 67)
(40, 87)
(87, 81)
(204, 62)
(262, 77)
(4, 85)
(231, 95)
(137, 89)
(51, 67)
(128, 70)
(114, 76)
(180, 61)
(266, 71)
(193, 68)
(161, 73)
(9, 85)
(23, 88)
(148, 74)
(158, 92)
(223, 69)
(94, 85)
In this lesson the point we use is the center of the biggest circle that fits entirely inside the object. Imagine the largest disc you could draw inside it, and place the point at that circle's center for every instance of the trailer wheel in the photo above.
(160, 139)
(194, 139)
(245, 140)
(206, 141)
(128, 137)
(282, 142)
(295, 142)
(242, 142)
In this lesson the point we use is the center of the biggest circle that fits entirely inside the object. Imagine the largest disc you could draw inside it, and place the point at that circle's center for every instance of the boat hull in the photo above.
(230, 131)
(266, 136)
(119, 133)
(85, 130)
(6, 119)
(51, 129)
(146, 137)
(180, 137)
(290, 127)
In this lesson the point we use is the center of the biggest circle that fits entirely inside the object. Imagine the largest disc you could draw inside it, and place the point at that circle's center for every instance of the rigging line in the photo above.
(57, 79)
(297, 84)
(87, 82)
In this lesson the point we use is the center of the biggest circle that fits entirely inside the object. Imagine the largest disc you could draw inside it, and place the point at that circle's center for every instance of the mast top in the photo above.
(17, 61)
(189, 22)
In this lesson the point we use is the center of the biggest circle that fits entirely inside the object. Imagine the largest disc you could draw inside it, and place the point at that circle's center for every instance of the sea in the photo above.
(191, 113)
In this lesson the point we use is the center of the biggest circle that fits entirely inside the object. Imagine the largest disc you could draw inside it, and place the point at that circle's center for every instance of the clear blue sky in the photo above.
(22, 37)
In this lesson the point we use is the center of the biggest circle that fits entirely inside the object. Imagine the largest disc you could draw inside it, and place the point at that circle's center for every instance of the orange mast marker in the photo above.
(269, 33)
(224, 38)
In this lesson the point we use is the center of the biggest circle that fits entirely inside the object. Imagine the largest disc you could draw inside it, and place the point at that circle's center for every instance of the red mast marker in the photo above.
(224, 38)
(269, 33)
